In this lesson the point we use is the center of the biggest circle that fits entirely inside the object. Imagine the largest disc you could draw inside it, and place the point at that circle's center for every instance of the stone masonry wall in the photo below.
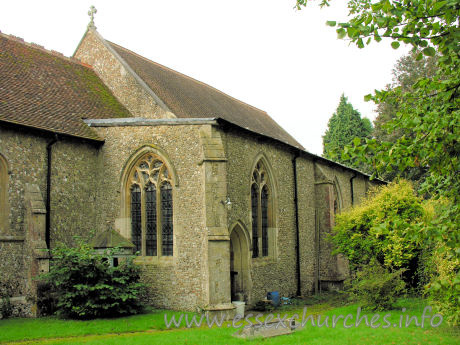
(12, 266)
(73, 191)
(177, 282)
(75, 180)
(335, 268)
(306, 201)
(26, 156)
(88, 194)
(267, 273)
(123, 85)
(279, 272)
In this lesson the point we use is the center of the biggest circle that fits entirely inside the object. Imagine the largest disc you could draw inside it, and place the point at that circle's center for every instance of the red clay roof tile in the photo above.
(190, 98)
(43, 90)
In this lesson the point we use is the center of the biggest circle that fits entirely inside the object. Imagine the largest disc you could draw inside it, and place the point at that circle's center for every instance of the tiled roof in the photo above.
(111, 239)
(41, 89)
(189, 98)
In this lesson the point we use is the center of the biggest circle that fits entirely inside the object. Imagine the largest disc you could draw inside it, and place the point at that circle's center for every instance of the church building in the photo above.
(217, 200)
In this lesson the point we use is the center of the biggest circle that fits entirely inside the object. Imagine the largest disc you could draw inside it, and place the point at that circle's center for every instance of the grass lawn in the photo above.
(151, 329)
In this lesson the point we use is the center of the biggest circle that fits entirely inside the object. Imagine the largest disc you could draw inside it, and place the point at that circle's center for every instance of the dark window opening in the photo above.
(264, 206)
(151, 212)
(166, 219)
(136, 225)
(255, 220)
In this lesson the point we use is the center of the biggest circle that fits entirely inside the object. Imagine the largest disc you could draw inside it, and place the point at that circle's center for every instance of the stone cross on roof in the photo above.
(92, 11)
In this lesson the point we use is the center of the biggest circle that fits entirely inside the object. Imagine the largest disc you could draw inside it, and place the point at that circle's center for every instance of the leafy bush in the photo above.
(377, 238)
(46, 299)
(87, 287)
(379, 228)
(401, 231)
(375, 287)
(443, 289)
(443, 266)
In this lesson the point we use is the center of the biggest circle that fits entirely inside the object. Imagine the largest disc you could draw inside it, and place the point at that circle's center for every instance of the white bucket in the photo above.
(239, 307)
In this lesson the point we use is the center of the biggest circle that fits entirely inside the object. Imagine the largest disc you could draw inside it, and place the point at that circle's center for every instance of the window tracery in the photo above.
(261, 210)
(151, 203)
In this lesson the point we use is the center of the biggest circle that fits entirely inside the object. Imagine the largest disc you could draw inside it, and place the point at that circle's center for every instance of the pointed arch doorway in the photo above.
(240, 278)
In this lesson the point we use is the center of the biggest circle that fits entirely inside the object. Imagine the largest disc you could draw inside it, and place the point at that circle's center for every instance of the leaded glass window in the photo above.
(136, 226)
(255, 214)
(264, 209)
(151, 226)
(261, 211)
(166, 221)
(151, 206)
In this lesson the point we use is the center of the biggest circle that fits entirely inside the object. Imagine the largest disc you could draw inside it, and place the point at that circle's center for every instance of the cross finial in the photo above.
(92, 11)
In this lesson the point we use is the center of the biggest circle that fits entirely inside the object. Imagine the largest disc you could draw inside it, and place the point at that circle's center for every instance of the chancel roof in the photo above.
(189, 98)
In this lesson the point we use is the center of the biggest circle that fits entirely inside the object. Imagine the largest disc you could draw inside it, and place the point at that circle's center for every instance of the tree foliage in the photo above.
(344, 125)
(425, 24)
(408, 70)
(429, 111)
(428, 114)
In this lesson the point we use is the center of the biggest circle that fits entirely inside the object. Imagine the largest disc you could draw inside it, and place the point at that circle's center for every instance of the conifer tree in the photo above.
(344, 125)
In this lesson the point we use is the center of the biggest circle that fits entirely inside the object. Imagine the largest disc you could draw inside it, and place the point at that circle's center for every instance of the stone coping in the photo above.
(140, 121)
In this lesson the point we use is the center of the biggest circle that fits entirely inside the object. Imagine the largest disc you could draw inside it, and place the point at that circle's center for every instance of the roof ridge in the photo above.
(43, 49)
(188, 77)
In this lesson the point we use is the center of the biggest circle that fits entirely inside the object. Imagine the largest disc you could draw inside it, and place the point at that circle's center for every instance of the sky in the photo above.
(265, 53)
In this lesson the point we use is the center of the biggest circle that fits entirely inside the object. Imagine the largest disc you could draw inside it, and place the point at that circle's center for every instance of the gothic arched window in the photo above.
(261, 211)
(336, 198)
(151, 205)
(336, 204)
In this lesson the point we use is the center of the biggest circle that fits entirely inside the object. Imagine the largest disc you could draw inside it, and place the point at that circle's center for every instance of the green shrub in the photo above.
(87, 287)
(46, 299)
(375, 287)
(402, 231)
(444, 287)
(379, 228)
(443, 235)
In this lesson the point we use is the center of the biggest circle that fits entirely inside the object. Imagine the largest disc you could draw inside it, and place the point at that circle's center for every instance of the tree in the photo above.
(407, 71)
(430, 111)
(428, 116)
(344, 125)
